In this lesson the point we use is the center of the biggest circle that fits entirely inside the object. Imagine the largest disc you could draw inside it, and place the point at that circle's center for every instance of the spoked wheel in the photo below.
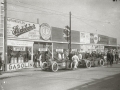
(54, 67)
(44, 66)
(88, 64)
(101, 62)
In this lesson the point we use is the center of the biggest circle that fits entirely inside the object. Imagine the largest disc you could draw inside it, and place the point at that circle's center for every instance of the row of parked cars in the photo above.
(91, 61)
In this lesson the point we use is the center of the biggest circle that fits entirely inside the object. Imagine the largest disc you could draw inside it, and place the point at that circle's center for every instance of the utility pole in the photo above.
(5, 34)
(69, 33)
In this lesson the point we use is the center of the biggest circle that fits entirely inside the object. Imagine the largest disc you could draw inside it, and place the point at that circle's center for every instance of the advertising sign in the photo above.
(59, 50)
(22, 29)
(42, 49)
(82, 37)
(17, 66)
(112, 41)
(45, 31)
(19, 43)
(18, 48)
(103, 39)
(94, 38)
(87, 38)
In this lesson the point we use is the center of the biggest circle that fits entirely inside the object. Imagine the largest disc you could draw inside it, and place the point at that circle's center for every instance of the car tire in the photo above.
(54, 67)
(102, 62)
(88, 64)
(44, 66)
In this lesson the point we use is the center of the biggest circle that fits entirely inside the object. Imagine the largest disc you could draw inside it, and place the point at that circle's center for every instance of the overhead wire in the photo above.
(83, 21)
(47, 12)
(38, 9)
(94, 20)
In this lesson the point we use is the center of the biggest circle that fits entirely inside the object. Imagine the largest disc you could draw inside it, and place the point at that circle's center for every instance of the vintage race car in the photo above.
(91, 62)
(96, 61)
(55, 65)
(85, 63)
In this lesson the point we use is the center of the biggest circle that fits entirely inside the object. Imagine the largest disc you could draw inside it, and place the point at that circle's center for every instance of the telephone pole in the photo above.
(5, 34)
(69, 32)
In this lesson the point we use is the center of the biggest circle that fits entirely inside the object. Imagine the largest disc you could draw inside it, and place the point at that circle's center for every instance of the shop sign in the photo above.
(19, 43)
(112, 41)
(45, 31)
(103, 39)
(59, 50)
(74, 50)
(42, 49)
(11, 67)
(84, 37)
(94, 38)
(87, 38)
(19, 48)
(22, 29)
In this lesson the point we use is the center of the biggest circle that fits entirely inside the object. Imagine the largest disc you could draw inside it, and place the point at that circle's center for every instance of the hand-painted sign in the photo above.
(17, 66)
(103, 39)
(19, 43)
(45, 31)
(94, 38)
(22, 29)
(42, 49)
(16, 48)
(84, 37)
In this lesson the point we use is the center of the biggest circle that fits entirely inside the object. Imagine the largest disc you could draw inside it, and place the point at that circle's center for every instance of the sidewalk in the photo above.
(20, 72)
(27, 71)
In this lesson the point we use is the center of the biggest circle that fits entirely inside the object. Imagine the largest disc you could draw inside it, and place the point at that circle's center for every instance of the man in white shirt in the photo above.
(75, 60)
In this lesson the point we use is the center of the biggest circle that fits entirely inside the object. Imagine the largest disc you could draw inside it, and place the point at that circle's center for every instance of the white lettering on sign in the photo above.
(59, 50)
(11, 67)
(74, 50)
(42, 49)
(18, 48)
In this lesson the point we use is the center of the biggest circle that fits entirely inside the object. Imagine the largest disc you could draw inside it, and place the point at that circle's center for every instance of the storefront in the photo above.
(26, 39)
(19, 54)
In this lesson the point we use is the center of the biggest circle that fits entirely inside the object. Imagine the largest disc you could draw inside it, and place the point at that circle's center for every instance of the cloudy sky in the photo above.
(95, 16)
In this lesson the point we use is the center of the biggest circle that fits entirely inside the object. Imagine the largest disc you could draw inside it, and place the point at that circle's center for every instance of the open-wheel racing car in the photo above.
(55, 65)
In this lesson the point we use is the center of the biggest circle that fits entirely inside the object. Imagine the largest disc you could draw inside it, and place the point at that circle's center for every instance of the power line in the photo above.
(37, 9)
(84, 21)
(41, 7)
(55, 12)
(36, 13)
(90, 19)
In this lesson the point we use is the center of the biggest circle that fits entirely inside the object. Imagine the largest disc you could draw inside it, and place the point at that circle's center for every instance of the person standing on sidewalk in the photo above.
(0, 64)
(108, 57)
(75, 60)
(116, 57)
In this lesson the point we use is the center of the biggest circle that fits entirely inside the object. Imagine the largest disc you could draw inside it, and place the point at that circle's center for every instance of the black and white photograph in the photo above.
(59, 44)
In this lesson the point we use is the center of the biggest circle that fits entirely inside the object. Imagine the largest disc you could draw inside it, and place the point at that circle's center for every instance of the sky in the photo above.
(94, 16)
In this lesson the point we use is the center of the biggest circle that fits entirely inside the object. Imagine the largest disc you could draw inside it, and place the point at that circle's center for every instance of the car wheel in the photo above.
(54, 67)
(88, 64)
(101, 62)
(44, 66)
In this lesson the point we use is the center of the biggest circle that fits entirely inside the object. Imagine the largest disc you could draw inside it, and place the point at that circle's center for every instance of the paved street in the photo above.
(95, 78)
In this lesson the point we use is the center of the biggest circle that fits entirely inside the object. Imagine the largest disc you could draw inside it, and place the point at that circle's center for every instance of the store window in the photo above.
(19, 54)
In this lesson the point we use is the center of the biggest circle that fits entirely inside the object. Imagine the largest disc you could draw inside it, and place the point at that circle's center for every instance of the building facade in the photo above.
(24, 39)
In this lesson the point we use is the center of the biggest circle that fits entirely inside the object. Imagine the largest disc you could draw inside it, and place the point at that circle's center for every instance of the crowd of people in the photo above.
(75, 57)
